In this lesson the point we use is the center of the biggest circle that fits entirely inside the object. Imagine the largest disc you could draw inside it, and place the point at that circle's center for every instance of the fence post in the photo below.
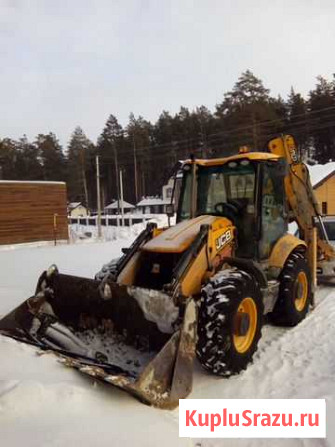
(55, 228)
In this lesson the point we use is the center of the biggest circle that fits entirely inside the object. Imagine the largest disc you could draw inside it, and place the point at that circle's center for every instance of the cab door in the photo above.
(273, 213)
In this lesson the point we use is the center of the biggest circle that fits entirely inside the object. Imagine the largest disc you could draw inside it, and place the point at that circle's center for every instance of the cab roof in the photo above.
(252, 156)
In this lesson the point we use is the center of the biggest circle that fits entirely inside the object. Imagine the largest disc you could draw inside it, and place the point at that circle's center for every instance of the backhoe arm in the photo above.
(303, 206)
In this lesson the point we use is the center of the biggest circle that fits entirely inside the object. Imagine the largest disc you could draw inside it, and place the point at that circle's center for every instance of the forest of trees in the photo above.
(147, 152)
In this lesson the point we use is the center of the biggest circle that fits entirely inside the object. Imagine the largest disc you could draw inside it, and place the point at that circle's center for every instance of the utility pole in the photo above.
(103, 199)
(135, 169)
(143, 183)
(254, 132)
(121, 189)
(98, 195)
(83, 173)
(203, 140)
(117, 177)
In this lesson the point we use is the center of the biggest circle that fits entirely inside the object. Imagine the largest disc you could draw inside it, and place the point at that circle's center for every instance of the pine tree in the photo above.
(322, 111)
(140, 161)
(20, 160)
(207, 126)
(248, 90)
(8, 157)
(297, 109)
(28, 165)
(52, 157)
(79, 155)
(187, 132)
(248, 114)
(109, 144)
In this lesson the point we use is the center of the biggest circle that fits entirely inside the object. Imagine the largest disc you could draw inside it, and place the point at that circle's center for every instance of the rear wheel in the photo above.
(230, 322)
(294, 291)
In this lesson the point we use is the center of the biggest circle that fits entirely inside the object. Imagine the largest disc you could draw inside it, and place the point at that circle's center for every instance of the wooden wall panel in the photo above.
(326, 193)
(27, 211)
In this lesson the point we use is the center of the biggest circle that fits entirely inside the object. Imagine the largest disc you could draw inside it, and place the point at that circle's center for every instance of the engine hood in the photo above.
(178, 238)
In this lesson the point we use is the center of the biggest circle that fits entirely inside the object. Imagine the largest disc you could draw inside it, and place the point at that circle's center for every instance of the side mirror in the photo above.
(170, 210)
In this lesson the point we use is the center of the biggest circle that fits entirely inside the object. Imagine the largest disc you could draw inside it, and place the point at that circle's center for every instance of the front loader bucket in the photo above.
(133, 338)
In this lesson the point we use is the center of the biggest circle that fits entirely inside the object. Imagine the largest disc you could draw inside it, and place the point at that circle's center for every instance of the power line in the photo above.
(184, 144)
(233, 135)
(158, 156)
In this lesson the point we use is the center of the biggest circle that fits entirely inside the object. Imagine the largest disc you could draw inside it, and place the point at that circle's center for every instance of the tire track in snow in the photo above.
(8, 386)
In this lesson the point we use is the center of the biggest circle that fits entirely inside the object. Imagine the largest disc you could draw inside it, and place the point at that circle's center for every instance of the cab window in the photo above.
(273, 214)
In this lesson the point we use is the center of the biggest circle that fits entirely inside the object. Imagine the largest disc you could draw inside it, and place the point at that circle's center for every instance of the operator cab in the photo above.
(249, 192)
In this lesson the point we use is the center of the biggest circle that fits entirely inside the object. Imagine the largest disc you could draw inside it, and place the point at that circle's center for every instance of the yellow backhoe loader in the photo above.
(198, 288)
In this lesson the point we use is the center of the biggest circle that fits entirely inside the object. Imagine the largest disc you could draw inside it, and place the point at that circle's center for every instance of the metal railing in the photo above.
(108, 221)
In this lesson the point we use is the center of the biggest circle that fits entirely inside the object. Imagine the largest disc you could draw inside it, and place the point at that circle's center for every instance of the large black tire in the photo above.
(107, 269)
(219, 345)
(295, 282)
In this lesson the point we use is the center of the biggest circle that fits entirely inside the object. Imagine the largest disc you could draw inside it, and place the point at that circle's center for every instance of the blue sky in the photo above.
(69, 63)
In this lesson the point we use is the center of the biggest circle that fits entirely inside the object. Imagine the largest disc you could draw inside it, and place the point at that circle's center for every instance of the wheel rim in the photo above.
(301, 291)
(243, 342)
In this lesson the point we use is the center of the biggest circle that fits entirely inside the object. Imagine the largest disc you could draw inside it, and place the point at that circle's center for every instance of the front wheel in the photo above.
(230, 322)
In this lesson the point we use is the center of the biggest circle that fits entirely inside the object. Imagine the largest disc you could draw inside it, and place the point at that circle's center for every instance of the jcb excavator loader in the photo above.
(200, 287)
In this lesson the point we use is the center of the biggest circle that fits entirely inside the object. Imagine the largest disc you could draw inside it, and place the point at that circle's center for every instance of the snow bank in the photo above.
(110, 233)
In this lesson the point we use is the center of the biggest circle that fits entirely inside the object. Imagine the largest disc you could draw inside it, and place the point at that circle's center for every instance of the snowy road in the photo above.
(42, 403)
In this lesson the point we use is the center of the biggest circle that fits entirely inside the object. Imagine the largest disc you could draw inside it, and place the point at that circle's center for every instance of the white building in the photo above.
(77, 209)
(153, 205)
(157, 205)
(113, 207)
(167, 190)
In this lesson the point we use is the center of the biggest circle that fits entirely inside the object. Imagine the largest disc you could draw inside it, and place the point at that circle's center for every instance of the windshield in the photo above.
(224, 184)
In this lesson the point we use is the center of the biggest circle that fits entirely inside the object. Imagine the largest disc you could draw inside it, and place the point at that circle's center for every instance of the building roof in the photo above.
(151, 201)
(320, 173)
(74, 205)
(114, 205)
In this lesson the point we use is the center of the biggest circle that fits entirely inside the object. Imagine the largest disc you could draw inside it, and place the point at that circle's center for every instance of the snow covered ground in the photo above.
(42, 403)
(79, 232)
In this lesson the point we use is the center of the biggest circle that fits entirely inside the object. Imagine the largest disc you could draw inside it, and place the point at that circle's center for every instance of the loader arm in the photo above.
(303, 206)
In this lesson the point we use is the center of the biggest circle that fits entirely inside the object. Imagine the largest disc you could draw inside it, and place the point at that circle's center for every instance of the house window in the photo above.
(324, 208)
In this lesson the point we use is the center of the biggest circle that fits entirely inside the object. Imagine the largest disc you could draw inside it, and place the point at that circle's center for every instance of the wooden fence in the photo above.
(32, 211)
